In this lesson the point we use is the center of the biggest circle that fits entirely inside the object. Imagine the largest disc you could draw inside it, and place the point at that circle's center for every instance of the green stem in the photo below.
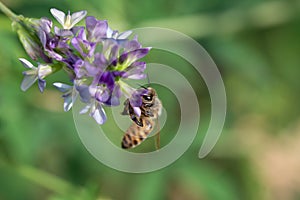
(8, 12)
(41, 178)
(45, 179)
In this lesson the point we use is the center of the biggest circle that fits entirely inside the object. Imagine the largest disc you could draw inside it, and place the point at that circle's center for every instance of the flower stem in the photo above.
(8, 12)
(44, 179)
(40, 177)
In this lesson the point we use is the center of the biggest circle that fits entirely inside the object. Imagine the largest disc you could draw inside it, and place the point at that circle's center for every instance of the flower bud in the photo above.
(28, 31)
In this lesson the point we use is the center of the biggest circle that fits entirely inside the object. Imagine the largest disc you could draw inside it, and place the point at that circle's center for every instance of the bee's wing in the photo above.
(126, 108)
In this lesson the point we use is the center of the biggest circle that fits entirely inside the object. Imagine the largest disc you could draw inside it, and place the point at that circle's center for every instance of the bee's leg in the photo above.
(137, 120)
(157, 141)
(148, 113)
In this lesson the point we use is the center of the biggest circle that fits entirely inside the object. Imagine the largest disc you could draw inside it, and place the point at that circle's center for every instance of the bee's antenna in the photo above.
(148, 79)
(142, 86)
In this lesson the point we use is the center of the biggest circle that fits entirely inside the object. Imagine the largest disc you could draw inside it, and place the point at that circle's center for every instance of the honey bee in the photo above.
(142, 126)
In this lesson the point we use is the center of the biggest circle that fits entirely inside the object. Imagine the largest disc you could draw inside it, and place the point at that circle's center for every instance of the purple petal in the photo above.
(76, 29)
(100, 60)
(45, 24)
(136, 97)
(85, 109)
(84, 93)
(132, 45)
(78, 68)
(84, 47)
(81, 34)
(102, 95)
(62, 87)
(113, 53)
(62, 32)
(41, 84)
(98, 65)
(117, 91)
(108, 79)
(132, 56)
(91, 69)
(96, 28)
(137, 111)
(43, 38)
(113, 101)
(119, 73)
(136, 71)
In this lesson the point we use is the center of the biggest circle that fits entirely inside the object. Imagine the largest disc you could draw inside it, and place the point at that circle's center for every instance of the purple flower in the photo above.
(100, 93)
(96, 29)
(34, 74)
(83, 91)
(99, 61)
(135, 71)
(82, 45)
(116, 35)
(54, 46)
(96, 111)
(127, 58)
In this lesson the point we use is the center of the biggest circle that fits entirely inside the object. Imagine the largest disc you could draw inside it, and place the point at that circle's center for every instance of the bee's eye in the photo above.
(147, 97)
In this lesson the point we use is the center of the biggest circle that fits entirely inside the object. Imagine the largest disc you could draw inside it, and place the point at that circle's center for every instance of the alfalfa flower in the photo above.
(68, 21)
(35, 74)
(98, 60)
(67, 91)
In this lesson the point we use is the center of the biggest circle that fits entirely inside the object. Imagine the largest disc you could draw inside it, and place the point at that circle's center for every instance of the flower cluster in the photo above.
(97, 59)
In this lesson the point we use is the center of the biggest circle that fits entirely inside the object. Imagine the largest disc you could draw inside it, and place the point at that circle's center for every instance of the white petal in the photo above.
(28, 81)
(77, 16)
(85, 109)
(59, 15)
(98, 114)
(62, 87)
(124, 35)
(68, 103)
(26, 63)
(109, 32)
(93, 89)
(137, 111)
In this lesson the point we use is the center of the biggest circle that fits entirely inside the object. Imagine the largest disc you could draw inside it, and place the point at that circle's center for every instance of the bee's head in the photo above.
(148, 98)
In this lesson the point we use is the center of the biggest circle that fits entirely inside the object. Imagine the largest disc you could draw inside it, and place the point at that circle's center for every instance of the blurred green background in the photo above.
(255, 44)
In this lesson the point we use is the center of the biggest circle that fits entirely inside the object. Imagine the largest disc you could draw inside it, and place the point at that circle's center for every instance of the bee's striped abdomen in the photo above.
(135, 134)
